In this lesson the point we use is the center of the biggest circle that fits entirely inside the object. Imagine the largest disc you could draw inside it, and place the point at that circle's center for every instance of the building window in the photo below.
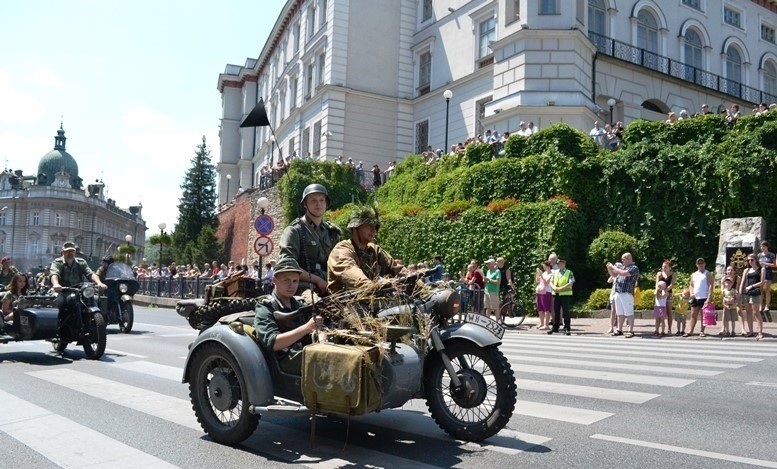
(647, 31)
(696, 4)
(424, 72)
(58, 220)
(293, 93)
(296, 37)
(549, 7)
(767, 33)
(770, 79)
(732, 17)
(2, 244)
(291, 147)
(322, 13)
(693, 48)
(309, 81)
(480, 108)
(321, 67)
(33, 246)
(2, 218)
(421, 136)
(282, 102)
(305, 148)
(733, 64)
(513, 11)
(317, 139)
(487, 36)
(597, 17)
(35, 218)
(311, 20)
(427, 10)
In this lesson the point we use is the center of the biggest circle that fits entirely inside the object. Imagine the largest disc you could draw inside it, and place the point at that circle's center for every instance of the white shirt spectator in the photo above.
(597, 134)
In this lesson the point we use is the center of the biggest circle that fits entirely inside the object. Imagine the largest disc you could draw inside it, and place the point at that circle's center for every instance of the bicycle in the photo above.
(512, 312)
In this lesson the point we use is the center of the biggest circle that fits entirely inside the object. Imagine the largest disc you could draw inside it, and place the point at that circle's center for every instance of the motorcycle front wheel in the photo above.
(94, 342)
(218, 393)
(59, 346)
(126, 316)
(486, 401)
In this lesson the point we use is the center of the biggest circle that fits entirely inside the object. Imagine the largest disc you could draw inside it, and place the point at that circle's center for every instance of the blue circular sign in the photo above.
(264, 224)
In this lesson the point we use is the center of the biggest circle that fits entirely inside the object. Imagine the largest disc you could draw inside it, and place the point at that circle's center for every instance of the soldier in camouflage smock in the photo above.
(310, 239)
(358, 263)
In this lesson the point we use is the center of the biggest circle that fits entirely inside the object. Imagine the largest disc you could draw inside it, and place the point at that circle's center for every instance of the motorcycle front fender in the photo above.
(94, 309)
(248, 355)
(126, 298)
(471, 332)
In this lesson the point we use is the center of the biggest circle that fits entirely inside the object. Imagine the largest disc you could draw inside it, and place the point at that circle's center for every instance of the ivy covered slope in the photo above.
(341, 181)
(668, 187)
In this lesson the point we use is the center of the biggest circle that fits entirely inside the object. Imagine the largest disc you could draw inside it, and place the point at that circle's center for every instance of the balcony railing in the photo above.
(658, 63)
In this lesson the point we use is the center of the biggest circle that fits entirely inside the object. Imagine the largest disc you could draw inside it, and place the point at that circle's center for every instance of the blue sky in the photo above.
(135, 82)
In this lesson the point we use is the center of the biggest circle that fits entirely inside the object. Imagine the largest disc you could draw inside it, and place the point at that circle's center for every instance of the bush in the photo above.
(561, 138)
(609, 246)
(341, 181)
(598, 299)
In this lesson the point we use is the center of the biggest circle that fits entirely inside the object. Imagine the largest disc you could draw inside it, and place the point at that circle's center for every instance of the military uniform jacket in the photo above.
(70, 276)
(349, 268)
(310, 246)
(265, 327)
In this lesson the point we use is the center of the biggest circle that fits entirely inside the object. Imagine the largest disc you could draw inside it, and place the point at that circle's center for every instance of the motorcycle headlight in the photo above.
(448, 302)
(88, 291)
(123, 287)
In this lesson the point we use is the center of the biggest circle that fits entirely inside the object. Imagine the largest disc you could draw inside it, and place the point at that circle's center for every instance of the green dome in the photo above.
(58, 160)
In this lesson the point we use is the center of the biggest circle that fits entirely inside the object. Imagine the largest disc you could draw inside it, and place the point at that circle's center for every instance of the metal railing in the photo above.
(658, 63)
(185, 287)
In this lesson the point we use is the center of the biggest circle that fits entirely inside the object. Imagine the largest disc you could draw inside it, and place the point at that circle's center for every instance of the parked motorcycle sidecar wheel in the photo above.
(94, 343)
(218, 393)
(488, 398)
(126, 316)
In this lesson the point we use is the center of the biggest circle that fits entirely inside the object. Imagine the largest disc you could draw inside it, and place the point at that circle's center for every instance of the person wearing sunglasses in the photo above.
(753, 278)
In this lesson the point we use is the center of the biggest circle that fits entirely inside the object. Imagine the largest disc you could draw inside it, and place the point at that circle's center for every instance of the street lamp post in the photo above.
(447, 94)
(262, 203)
(162, 227)
(611, 102)
(226, 198)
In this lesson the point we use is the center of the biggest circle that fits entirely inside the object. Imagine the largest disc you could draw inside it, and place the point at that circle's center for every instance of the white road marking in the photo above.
(768, 385)
(67, 443)
(192, 334)
(560, 413)
(125, 354)
(613, 365)
(618, 395)
(172, 373)
(607, 376)
(690, 451)
(558, 351)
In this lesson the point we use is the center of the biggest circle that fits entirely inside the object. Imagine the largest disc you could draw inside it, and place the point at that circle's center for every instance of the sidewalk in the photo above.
(643, 328)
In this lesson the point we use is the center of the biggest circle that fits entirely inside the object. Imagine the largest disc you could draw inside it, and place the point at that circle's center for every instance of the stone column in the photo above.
(738, 232)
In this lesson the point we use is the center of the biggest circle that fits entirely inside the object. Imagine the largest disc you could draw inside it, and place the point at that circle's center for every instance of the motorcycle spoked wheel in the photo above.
(94, 342)
(218, 393)
(490, 391)
(126, 316)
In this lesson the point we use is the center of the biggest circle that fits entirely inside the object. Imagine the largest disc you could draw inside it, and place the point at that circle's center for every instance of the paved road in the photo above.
(585, 401)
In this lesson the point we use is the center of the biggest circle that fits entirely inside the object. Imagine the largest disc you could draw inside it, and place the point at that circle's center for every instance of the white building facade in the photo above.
(365, 79)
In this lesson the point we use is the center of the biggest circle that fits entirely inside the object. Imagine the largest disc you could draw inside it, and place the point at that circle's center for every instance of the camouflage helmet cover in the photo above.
(363, 215)
(314, 189)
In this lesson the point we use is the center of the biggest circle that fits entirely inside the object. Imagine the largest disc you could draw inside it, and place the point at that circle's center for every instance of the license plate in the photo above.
(486, 323)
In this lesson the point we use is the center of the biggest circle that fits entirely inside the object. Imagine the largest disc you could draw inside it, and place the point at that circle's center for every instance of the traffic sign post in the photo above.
(264, 224)
(263, 246)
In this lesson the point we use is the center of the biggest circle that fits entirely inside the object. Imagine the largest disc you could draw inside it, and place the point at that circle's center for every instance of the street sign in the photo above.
(264, 224)
(263, 245)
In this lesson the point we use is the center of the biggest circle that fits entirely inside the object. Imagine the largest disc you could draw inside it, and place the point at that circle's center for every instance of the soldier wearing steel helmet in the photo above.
(358, 263)
(309, 239)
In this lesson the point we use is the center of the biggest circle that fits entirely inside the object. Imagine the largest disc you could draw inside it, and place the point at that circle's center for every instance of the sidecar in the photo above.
(36, 319)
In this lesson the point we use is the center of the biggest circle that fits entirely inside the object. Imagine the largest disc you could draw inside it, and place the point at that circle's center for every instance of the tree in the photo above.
(206, 248)
(197, 205)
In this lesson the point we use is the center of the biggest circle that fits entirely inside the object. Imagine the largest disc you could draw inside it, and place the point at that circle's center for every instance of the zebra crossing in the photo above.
(560, 380)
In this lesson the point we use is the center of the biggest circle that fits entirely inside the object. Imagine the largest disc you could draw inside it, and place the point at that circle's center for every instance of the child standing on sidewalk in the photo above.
(659, 308)
(730, 302)
(682, 302)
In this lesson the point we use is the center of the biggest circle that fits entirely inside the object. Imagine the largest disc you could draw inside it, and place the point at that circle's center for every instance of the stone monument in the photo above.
(738, 238)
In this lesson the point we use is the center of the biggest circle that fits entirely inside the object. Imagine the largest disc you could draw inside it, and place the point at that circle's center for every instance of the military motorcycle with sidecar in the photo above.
(116, 301)
(80, 321)
(405, 346)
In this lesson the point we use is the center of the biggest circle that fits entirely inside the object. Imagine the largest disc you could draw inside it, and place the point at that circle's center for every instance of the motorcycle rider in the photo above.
(358, 263)
(69, 271)
(102, 270)
(287, 344)
(309, 239)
